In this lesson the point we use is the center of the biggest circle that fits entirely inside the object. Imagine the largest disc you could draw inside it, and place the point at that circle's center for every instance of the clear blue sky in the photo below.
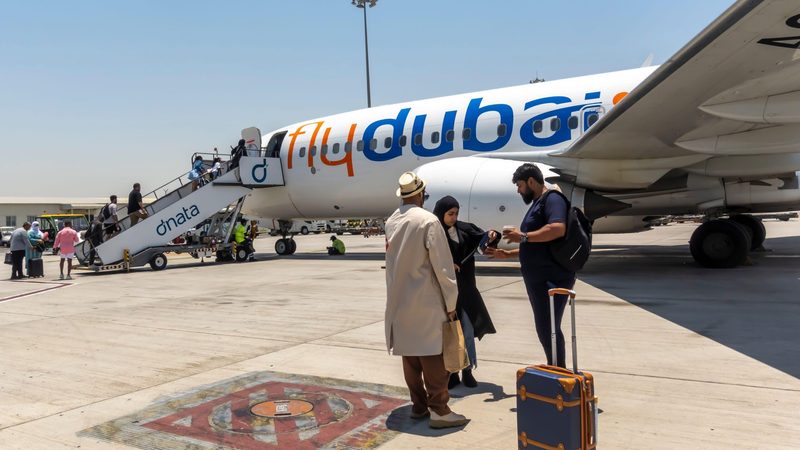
(96, 94)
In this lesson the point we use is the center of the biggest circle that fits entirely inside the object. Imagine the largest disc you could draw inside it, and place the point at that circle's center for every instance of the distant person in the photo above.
(464, 239)
(240, 231)
(337, 247)
(66, 239)
(421, 286)
(545, 221)
(216, 167)
(197, 172)
(36, 238)
(109, 218)
(95, 237)
(136, 209)
(18, 245)
(237, 153)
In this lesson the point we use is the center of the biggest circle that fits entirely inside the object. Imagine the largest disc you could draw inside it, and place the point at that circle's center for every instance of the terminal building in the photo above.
(14, 211)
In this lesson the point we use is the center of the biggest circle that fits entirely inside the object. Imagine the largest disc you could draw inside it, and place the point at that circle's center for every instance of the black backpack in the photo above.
(105, 213)
(572, 250)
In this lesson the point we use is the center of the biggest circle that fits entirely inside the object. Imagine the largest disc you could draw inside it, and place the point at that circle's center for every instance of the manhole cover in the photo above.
(282, 408)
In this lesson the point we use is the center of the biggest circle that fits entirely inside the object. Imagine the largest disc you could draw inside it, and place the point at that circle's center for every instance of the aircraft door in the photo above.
(589, 115)
(274, 145)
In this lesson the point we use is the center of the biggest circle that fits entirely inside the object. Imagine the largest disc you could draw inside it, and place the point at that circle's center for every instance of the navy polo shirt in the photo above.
(534, 257)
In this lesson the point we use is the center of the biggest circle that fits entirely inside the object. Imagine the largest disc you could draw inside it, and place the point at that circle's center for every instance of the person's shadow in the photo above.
(400, 420)
(497, 392)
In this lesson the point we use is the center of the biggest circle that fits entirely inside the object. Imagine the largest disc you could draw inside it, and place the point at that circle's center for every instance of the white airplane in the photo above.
(714, 131)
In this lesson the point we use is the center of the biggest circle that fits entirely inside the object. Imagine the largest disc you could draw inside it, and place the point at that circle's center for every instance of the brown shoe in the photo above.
(447, 421)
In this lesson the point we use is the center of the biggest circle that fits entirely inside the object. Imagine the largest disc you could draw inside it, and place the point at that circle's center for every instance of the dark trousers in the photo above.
(427, 379)
(17, 258)
(540, 302)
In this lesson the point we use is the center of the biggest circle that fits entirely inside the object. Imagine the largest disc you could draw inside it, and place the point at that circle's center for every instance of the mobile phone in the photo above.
(484, 243)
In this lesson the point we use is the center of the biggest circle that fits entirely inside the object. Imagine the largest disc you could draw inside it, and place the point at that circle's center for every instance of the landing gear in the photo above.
(755, 227)
(720, 243)
(285, 246)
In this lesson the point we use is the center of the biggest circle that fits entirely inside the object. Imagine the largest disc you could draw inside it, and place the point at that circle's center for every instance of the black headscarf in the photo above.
(442, 206)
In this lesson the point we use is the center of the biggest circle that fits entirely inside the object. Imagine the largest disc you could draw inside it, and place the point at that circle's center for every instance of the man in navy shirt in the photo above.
(544, 222)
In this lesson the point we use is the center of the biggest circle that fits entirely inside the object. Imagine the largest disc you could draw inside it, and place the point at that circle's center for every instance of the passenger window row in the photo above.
(572, 123)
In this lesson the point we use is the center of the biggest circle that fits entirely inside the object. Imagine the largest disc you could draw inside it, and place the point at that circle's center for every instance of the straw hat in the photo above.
(410, 185)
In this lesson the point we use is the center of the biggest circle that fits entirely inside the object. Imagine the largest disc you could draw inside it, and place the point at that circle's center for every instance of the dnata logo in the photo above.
(181, 218)
(259, 172)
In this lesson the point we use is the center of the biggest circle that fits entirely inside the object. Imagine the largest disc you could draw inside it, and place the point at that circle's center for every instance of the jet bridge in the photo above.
(206, 210)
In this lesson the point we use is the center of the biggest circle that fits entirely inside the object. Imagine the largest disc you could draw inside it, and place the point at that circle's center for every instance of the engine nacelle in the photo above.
(620, 224)
(487, 196)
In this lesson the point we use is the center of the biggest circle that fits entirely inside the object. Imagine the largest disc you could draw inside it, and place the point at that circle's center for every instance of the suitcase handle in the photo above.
(561, 291)
(552, 293)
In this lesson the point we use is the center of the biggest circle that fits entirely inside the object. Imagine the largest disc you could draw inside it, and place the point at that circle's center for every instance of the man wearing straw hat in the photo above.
(420, 284)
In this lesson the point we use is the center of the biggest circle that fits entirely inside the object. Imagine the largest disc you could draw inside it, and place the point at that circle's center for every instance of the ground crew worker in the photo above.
(337, 247)
(239, 232)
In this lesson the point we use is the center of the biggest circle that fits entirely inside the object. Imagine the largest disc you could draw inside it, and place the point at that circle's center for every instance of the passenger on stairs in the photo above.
(136, 209)
(216, 168)
(95, 237)
(237, 153)
(109, 218)
(197, 173)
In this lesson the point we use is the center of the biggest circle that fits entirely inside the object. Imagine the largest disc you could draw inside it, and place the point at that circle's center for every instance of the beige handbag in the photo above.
(454, 350)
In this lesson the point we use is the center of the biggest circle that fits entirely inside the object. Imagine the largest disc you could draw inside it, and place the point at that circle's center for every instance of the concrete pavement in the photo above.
(684, 357)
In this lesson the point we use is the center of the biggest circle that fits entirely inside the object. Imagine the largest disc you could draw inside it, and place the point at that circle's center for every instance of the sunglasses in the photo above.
(425, 195)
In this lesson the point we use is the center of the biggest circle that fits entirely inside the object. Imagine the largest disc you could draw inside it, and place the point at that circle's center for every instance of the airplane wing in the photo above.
(738, 76)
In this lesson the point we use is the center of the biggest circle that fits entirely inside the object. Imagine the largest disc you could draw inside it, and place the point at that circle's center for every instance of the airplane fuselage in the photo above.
(346, 165)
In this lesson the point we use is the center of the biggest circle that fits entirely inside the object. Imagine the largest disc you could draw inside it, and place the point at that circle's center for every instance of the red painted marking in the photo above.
(241, 435)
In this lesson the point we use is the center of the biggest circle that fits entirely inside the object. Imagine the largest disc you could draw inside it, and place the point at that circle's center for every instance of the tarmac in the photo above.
(683, 357)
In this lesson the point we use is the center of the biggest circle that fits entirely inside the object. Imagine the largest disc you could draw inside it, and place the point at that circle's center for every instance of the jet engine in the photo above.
(489, 199)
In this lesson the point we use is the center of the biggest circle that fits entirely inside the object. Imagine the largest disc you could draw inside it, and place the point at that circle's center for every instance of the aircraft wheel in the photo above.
(304, 231)
(158, 261)
(282, 246)
(292, 246)
(720, 244)
(756, 227)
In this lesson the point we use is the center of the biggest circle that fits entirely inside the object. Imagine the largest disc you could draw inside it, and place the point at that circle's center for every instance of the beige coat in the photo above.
(420, 278)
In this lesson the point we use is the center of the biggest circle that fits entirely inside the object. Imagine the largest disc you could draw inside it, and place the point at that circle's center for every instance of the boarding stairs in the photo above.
(182, 205)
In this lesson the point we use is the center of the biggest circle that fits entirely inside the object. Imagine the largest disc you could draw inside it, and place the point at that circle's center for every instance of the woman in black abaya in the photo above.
(464, 239)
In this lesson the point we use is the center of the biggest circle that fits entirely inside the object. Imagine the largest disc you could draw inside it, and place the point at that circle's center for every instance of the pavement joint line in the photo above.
(519, 364)
(38, 291)
(41, 316)
(503, 285)
(247, 336)
(662, 377)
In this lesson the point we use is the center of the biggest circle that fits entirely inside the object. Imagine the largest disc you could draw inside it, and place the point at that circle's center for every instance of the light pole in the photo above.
(363, 5)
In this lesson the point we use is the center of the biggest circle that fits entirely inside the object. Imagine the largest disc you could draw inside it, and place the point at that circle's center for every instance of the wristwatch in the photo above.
(524, 238)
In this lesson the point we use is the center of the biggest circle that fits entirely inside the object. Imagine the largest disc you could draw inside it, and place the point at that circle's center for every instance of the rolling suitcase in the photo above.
(36, 268)
(556, 407)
